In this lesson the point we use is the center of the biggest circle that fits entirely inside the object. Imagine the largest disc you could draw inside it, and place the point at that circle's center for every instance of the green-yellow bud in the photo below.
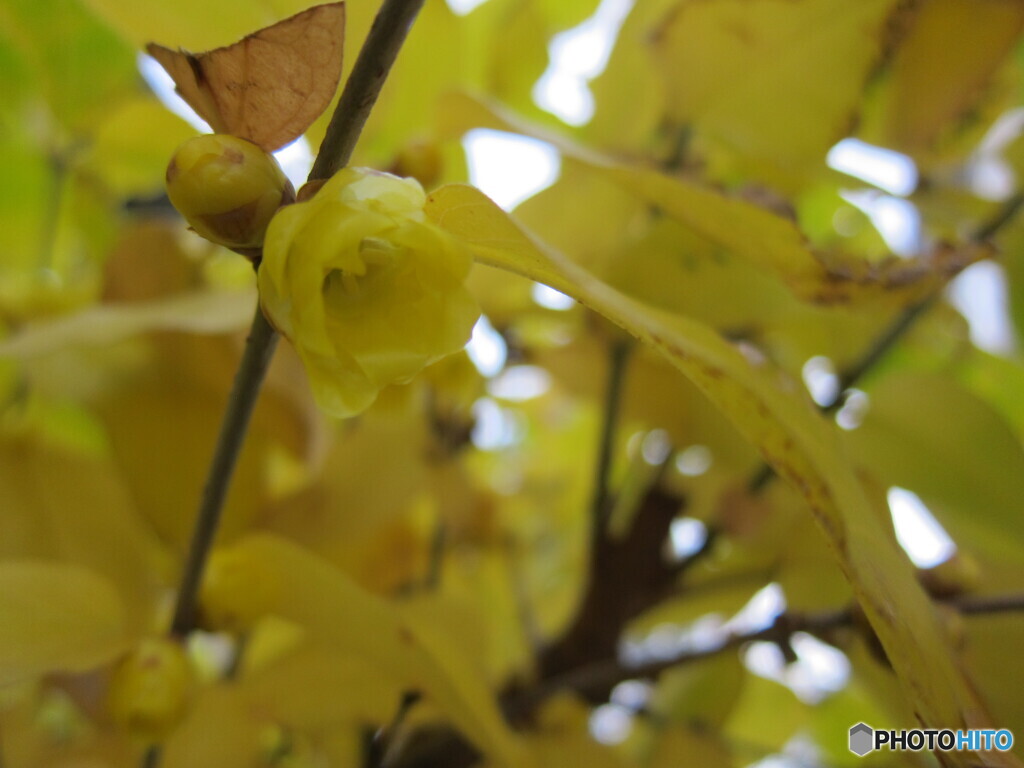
(227, 189)
(150, 689)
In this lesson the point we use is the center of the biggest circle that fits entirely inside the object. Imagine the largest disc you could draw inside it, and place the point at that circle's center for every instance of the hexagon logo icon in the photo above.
(861, 739)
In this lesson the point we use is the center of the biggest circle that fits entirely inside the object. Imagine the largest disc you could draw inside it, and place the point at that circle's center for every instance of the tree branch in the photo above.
(371, 69)
(606, 674)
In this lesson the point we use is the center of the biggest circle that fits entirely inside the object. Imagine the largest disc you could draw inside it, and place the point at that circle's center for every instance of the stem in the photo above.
(979, 604)
(600, 509)
(362, 88)
(1003, 216)
(371, 69)
(259, 349)
(883, 344)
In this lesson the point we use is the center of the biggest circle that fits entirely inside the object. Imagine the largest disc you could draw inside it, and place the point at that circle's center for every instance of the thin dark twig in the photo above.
(973, 605)
(607, 673)
(1003, 216)
(259, 349)
(371, 69)
(600, 508)
(151, 758)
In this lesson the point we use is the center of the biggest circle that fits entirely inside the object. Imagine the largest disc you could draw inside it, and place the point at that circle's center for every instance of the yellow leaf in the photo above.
(800, 445)
(56, 618)
(942, 68)
(186, 385)
(349, 517)
(928, 434)
(778, 82)
(319, 687)
(808, 574)
(263, 574)
(702, 695)
(102, 325)
(218, 731)
(511, 41)
(271, 85)
(767, 713)
(765, 238)
(478, 591)
(60, 505)
(563, 215)
(629, 96)
(130, 146)
(562, 737)
(992, 641)
(695, 746)
(77, 68)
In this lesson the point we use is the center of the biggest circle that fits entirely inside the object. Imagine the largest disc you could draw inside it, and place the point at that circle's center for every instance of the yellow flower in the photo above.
(368, 291)
(227, 188)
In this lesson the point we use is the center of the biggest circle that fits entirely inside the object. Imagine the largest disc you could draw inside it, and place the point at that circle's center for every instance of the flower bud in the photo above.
(227, 189)
(150, 689)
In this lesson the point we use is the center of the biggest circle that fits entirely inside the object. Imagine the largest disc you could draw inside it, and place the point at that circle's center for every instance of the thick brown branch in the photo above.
(628, 575)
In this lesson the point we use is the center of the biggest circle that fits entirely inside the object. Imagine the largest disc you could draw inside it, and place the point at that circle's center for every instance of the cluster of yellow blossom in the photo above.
(367, 290)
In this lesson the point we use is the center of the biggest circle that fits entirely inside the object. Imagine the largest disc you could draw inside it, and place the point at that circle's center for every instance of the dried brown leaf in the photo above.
(270, 86)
